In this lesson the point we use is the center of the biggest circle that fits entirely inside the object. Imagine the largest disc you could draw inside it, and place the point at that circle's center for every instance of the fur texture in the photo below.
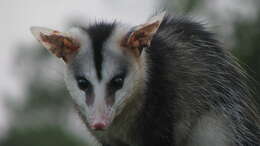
(181, 89)
(195, 95)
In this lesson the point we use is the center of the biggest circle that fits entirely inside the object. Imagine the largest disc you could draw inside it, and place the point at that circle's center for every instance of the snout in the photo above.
(100, 121)
(99, 126)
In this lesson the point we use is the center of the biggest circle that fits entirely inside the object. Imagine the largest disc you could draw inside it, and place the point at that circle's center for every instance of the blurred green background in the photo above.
(44, 118)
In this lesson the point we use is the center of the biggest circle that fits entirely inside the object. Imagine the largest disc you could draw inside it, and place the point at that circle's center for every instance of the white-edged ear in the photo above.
(58, 43)
(158, 18)
(143, 34)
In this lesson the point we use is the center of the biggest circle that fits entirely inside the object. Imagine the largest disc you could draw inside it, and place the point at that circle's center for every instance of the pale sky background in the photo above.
(16, 17)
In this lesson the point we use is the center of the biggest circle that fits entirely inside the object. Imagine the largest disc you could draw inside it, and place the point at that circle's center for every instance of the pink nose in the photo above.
(98, 126)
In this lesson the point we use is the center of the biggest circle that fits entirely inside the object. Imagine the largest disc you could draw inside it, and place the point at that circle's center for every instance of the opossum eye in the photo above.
(117, 82)
(83, 83)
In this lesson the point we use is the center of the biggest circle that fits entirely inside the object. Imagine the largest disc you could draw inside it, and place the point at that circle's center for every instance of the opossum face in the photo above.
(102, 77)
(105, 66)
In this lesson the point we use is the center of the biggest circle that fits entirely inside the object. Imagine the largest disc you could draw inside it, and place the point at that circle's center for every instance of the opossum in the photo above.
(167, 82)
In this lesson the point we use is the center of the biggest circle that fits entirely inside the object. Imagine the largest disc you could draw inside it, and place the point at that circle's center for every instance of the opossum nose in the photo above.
(99, 126)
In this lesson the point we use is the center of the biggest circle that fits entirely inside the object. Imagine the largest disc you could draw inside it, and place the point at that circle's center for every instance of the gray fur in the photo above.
(210, 101)
(184, 90)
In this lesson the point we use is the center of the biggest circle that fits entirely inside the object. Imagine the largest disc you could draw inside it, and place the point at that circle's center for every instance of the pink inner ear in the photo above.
(140, 38)
(143, 36)
(62, 46)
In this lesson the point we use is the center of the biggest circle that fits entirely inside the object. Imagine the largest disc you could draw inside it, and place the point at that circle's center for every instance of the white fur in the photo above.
(210, 130)
(78, 95)
(112, 53)
(135, 73)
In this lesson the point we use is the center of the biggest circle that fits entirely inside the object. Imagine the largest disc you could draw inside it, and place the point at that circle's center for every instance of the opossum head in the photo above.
(105, 65)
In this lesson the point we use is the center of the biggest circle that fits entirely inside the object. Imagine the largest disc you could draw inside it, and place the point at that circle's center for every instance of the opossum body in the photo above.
(167, 82)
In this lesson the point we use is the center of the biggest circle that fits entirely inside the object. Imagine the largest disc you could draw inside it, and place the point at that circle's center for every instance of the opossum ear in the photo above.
(142, 35)
(58, 43)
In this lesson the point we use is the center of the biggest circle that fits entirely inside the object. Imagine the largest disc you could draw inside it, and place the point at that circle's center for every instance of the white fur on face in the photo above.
(113, 60)
(78, 95)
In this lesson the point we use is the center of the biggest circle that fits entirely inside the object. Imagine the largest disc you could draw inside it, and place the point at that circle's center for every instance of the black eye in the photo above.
(117, 82)
(83, 83)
